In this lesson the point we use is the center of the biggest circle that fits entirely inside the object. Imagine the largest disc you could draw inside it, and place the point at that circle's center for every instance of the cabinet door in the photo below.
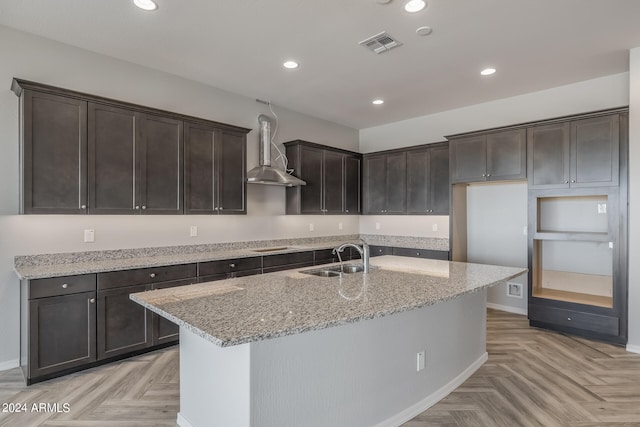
(351, 185)
(61, 333)
(112, 147)
(199, 171)
(507, 155)
(333, 182)
(160, 161)
(468, 159)
(54, 154)
(396, 185)
(439, 180)
(375, 184)
(232, 173)
(123, 325)
(595, 146)
(418, 182)
(548, 151)
(311, 172)
(164, 330)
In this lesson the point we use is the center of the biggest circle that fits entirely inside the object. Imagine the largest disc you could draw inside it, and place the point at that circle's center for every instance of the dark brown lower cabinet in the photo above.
(164, 331)
(124, 326)
(62, 333)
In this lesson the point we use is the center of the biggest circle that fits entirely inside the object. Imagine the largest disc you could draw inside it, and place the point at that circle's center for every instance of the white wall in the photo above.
(45, 61)
(597, 94)
(634, 200)
(496, 218)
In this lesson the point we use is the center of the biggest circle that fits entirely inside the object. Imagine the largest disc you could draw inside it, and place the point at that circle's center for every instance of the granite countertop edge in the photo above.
(280, 332)
(90, 262)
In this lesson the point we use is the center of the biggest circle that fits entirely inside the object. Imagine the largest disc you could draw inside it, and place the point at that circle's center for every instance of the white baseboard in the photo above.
(9, 364)
(182, 421)
(633, 348)
(507, 308)
(414, 410)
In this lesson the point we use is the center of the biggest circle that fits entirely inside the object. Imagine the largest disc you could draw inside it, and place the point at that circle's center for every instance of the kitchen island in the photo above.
(290, 348)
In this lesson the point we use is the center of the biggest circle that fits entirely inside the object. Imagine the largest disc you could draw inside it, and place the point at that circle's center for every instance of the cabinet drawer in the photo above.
(42, 288)
(229, 265)
(286, 259)
(421, 253)
(118, 279)
(575, 319)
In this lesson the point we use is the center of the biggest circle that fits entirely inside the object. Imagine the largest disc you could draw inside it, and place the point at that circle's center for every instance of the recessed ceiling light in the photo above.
(488, 71)
(424, 31)
(377, 102)
(146, 4)
(413, 6)
(291, 65)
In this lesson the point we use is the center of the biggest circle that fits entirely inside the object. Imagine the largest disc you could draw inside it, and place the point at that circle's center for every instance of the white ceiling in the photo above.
(239, 45)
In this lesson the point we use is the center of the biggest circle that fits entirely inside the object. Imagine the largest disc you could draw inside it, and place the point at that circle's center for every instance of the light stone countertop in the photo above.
(254, 308)
(73, 263)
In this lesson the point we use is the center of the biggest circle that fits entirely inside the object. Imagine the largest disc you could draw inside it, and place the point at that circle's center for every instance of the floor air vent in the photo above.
(380, 43)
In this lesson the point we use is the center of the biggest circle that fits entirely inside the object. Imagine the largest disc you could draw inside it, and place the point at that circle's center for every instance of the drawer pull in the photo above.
(418, 253)
(232, 265)
(92, 300)
(65, 286)
(568, 318)
(152, 275)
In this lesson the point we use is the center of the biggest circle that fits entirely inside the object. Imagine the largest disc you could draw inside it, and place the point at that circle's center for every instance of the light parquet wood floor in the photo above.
(532, 378)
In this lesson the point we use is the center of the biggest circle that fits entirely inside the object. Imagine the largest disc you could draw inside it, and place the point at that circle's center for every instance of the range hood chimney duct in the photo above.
(265, 173)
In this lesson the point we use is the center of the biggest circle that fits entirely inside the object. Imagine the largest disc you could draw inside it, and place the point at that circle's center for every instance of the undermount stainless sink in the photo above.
(335, 271)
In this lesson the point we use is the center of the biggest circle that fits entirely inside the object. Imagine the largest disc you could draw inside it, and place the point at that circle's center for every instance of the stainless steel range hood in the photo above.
(265, 173)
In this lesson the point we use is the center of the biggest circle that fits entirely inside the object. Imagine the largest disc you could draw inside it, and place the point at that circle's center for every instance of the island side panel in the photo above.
(214, 383)
(364, 373)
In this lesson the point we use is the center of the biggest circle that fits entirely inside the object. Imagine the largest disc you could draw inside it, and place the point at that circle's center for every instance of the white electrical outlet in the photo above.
(377, 226)
(311, 228)
(193, 231)
(89, 236)
(420, 361)
(514, 290)
(339, 226)
(434, 227)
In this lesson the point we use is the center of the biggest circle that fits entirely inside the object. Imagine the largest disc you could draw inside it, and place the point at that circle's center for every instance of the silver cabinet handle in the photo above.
(488, 174)
(215, 209)
(573, 180)
(144, 207)
(484, 174)
(568, 318)
(137, 206)
(152, 275)
(346, 210)
(92, 300)
(65, 286)
(83, 207)
(566, 182)
(232, 265)
(418, 253)
(221, 208)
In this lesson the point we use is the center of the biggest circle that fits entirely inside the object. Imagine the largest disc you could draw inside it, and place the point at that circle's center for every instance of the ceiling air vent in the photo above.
(380, 42)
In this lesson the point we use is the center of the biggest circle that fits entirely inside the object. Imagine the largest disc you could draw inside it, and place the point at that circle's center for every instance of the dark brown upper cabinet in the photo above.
(579, 153)
(54, 154)
(82, 153)
(428, 180)
(385, 183)
(215, 170)
(489, 157)
(332, 176)
(135, 162)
